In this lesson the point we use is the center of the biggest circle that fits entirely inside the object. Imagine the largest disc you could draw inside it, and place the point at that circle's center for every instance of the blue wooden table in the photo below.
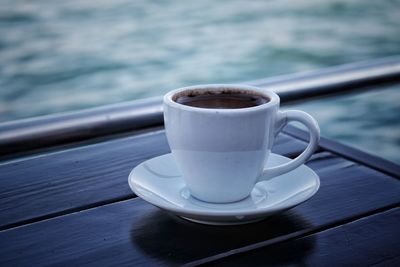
(72, 206)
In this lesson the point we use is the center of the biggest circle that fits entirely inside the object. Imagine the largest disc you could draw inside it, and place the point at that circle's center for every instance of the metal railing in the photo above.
(57, 129)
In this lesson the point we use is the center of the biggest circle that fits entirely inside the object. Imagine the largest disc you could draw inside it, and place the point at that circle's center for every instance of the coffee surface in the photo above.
(223, 100)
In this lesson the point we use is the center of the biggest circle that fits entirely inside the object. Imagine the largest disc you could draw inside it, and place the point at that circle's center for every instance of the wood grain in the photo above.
(370, 241)
(54, 184)
(132, 232)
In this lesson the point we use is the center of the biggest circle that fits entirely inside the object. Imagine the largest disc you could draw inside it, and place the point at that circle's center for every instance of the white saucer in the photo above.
(159, 182)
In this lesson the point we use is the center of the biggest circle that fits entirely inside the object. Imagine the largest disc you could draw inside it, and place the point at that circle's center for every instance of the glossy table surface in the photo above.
(73, 206)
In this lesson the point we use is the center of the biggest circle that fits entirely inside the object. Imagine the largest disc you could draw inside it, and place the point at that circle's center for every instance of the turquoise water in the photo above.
(67, 55)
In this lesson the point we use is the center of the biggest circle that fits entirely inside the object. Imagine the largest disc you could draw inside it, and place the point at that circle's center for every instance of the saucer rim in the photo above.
(221, 213)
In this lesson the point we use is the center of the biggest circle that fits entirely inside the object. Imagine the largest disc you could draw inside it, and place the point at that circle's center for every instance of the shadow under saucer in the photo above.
(173, 240)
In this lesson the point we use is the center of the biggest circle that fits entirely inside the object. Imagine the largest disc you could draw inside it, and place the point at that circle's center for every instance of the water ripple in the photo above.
(66, 55)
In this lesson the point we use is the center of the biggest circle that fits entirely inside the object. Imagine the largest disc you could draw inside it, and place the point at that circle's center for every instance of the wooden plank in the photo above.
(54, 184)
(370, 241)
(133, 232)
(348, 152)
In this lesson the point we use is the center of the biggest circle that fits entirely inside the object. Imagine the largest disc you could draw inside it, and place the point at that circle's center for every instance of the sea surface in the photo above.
(58, 56)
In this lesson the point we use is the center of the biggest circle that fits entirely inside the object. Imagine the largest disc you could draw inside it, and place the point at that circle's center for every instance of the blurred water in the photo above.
(67, 55)
(368, 121)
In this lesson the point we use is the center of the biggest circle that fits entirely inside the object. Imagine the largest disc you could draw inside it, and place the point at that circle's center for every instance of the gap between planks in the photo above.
(83, 207)
(291, 236)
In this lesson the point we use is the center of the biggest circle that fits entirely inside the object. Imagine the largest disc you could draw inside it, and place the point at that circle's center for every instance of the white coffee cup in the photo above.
(222, 153)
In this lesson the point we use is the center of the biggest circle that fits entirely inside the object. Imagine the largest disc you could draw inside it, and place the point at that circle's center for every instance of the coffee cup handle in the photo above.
(283, 118)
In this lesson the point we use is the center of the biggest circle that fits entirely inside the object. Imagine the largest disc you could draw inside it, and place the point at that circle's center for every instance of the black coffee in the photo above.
(222, 100)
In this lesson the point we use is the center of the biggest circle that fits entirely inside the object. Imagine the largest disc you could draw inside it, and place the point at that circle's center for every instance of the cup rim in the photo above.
(274, 98)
